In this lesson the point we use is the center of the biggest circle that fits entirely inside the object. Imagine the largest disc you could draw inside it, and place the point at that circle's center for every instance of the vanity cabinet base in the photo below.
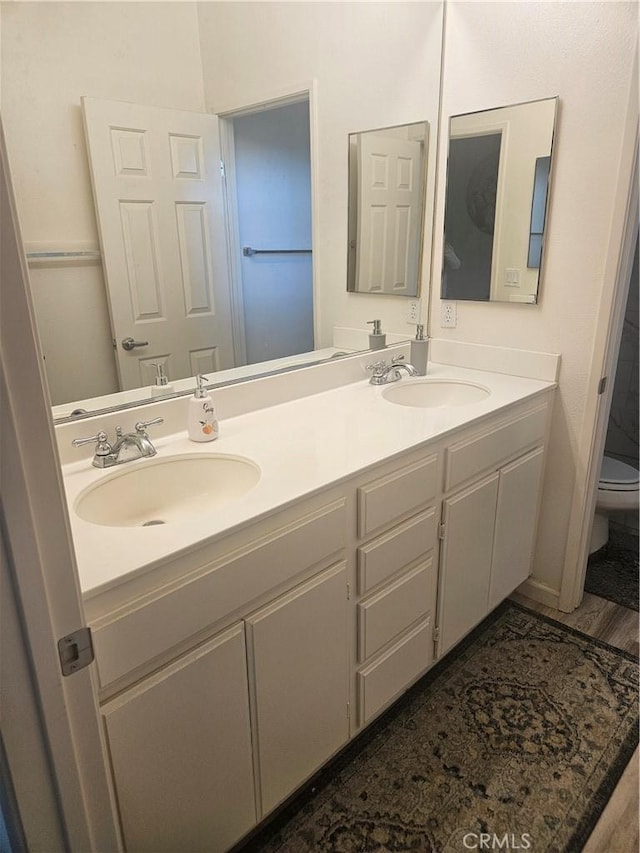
(340, 603)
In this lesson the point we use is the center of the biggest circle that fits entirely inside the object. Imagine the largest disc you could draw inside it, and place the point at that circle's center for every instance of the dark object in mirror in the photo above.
(538, 210)
(496, 201)
(387, 171)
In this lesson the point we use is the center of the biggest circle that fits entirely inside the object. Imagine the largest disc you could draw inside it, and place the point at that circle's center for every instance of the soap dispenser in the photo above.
(201, 418)
(161, 385)
(419, 347)
(377, 339)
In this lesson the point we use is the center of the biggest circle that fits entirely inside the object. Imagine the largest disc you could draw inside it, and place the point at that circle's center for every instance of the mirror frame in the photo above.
(534, 297)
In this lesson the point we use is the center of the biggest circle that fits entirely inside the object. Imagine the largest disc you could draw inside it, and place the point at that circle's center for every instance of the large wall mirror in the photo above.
(282, 112)
(387, 183)
(498, 174)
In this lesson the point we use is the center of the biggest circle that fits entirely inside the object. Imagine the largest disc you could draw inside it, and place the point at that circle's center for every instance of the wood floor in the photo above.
(617, 829)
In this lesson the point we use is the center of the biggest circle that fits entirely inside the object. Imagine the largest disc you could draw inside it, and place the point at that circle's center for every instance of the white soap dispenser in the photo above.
(162, 385)
(418, 355)
(201, 418)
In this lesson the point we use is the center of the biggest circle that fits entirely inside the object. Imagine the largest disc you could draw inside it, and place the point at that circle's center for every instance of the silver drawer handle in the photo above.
(129, 344)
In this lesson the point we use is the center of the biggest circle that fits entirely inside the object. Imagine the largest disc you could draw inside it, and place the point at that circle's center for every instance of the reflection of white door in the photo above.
(157, 187)
(389, 182)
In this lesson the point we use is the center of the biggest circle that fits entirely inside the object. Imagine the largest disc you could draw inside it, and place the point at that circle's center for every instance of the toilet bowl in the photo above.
(617, 492)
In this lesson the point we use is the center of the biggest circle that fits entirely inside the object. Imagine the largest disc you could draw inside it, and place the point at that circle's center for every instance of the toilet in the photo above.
(617, 492)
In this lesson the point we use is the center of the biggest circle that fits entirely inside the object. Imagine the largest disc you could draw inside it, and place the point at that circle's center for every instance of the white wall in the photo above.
(502, 53)
(373, 65)
(51, 55)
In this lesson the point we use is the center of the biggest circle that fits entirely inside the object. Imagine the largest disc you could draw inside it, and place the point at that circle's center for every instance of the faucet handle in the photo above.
(103, 448)
(397, 358)
(377, 366)
(141, 426)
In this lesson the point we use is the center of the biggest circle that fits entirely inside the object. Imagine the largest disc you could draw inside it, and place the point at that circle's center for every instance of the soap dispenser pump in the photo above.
(161, 385)
(202, 424)
(377, 338)
(419, 351)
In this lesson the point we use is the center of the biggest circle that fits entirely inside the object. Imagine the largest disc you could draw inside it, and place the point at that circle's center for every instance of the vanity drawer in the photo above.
(389, 612)
(135, 635)
(382, 501)
(390, 674)
(485, 451)
(387, 554)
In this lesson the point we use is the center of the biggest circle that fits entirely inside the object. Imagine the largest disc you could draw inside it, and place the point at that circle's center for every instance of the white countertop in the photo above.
(301, 446)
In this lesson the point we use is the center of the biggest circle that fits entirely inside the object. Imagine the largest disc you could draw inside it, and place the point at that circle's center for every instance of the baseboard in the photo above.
(540, 592)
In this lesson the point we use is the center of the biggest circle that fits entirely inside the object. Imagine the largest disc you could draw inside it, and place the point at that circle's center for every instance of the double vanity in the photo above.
(255, 602)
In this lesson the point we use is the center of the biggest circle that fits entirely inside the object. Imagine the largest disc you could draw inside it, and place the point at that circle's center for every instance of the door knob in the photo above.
(129, 344)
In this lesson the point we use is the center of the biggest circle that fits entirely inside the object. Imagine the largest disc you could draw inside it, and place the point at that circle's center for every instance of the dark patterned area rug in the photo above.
(612, 571)
(514, 741)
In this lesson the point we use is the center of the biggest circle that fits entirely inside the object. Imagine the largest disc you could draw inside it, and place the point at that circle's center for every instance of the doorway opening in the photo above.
(267, 157)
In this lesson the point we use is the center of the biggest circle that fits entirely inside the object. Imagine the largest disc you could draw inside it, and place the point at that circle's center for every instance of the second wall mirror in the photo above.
(497, 188)
(387, 172)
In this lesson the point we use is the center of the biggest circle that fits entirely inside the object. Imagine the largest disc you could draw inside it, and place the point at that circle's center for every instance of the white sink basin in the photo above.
(434, 393)
(163, 491)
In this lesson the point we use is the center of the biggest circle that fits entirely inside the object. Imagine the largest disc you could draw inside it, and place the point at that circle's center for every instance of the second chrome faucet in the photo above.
(384, 372)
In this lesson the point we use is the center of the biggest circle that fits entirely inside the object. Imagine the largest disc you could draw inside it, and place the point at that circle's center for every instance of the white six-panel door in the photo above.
(158, 194)
(389, 182)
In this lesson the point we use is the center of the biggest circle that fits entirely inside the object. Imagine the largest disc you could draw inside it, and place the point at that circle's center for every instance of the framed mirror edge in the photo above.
(555, 98)
(535, 298)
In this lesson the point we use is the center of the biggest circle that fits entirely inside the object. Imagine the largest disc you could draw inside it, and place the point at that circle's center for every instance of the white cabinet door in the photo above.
(465, 559)
(516, 515)
(298, 674)
(180, 745)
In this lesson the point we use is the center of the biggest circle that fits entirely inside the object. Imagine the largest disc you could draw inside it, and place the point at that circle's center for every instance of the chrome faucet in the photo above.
(384, 372)
(126, 448)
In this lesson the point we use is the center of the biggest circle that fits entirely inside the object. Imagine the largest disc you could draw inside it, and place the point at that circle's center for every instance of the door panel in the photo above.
(469, 519)
(158, 194)
(516, 518)
(180, 745)
(389, 214)
(299, 668)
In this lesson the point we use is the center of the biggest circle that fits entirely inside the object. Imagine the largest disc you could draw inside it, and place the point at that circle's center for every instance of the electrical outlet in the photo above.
(448, 317)
(413, 311)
